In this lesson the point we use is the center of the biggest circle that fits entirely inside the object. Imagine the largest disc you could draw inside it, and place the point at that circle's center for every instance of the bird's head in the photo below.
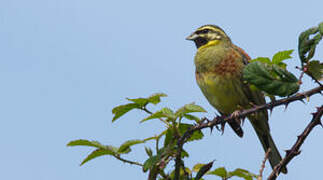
(208, 35)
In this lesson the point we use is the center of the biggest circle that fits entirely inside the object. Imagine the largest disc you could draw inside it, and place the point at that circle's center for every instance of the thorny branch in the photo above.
(294, 151)
(221, 120)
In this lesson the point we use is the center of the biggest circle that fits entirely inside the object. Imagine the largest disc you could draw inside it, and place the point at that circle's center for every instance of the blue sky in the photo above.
(65, 64)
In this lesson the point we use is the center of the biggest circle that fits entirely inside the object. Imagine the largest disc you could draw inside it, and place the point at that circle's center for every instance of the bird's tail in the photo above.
(236, 127)
(274, 156)
(261, 127)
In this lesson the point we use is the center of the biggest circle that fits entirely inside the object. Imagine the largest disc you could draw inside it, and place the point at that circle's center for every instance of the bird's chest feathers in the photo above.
(218, 74)
(222, 62)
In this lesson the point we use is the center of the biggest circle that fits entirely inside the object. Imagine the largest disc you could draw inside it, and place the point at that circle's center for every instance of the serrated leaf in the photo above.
(163, 113)
(98, 153)
(203, 170)
(316, 69)
(125, 147)
(123, 109)
(281, 56)
(84, 142)
(271, 78)
(242, 173)
(221, 171)
(307, 45)
(189, 108)
(262, 59)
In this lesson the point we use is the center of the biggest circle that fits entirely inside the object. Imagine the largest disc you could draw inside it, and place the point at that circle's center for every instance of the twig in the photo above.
(263, 164)
(128, 161)
(242, 114)
(294, 151)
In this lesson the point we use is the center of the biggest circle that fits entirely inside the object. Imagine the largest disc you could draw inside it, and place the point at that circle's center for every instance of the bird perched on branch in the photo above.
(219, 64)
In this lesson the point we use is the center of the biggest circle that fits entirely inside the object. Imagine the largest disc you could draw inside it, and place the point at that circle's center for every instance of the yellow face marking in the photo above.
(210, 43)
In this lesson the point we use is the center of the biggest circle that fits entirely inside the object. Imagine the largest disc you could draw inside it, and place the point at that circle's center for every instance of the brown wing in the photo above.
(246, 58)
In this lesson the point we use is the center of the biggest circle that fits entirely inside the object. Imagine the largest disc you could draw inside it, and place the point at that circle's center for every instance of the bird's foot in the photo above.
(235, 115)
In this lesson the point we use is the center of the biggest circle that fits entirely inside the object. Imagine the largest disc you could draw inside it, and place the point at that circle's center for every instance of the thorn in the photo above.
(211, 129)
(320, 123)
(270, 111)
(222, 128)
(297, 152)
(286, 105)
(302, 101)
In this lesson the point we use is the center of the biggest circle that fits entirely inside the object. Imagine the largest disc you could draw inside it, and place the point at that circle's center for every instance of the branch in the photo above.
(242, 114)
(263, 164)
(294, 151)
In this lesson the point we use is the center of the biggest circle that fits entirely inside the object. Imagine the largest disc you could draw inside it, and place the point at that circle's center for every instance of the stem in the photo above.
(127, 161)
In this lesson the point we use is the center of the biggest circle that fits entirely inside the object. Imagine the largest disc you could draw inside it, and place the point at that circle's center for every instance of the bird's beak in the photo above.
(192, 37)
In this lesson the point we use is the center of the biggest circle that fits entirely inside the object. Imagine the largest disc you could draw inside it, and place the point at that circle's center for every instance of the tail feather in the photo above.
(259, 122)
(236, 127)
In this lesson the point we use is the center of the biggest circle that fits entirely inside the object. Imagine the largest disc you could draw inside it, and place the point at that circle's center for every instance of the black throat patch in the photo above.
(200, 42)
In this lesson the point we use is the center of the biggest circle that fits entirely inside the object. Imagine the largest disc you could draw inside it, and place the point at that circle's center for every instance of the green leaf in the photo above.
(197, 167)
(155, 98)
(153, 160)
(316, 69)
(182, 175)
(272, 79)
(184, 154)
(165, 112)
(149, 152)
(189, 108)
(195, 136)
(262, 59)
(99, 152)
(123, 109)
(222, 172)
(125, 147)
(307, 45)
(169, 136)
(150, 162)
(192, 117)
(84, 142)
(321, 28)
(203, 170)
(242, 173)
(281, 56)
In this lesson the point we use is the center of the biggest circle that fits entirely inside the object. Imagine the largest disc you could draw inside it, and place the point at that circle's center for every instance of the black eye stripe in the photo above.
(204, 31)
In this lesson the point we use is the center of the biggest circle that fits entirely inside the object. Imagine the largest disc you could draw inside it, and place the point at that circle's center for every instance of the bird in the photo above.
(218, 71)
